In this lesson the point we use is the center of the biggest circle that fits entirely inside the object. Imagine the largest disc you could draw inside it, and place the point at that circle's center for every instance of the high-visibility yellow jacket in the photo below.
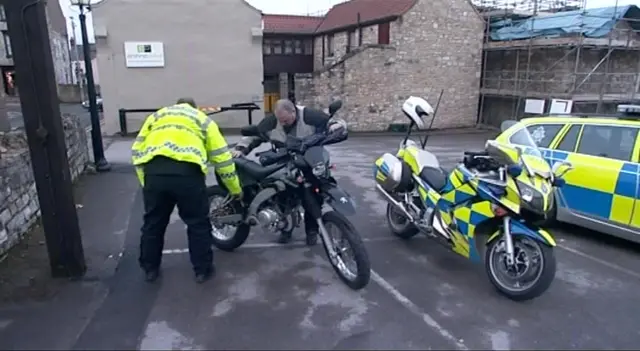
(183, 133)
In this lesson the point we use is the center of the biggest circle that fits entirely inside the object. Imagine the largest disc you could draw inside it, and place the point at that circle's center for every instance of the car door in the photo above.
(603, 185)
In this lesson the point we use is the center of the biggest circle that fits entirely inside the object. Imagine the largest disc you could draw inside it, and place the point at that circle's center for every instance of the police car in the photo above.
(602, 191)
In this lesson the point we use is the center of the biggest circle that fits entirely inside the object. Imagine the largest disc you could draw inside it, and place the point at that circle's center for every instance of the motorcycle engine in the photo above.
(271, 219)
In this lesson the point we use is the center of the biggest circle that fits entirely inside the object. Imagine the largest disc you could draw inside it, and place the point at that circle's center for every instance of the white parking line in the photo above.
(413, 308)
(276, 245)
(601, 261)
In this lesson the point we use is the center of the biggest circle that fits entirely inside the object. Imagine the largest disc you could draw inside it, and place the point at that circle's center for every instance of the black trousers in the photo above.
(310, 224)
(161, 194)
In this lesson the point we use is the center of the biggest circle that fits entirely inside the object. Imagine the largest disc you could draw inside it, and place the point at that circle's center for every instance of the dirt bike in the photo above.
(488, 204)
(292, 177)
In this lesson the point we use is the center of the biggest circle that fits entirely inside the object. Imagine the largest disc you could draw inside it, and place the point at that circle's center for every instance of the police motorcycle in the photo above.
(486, 206)
(289, 177)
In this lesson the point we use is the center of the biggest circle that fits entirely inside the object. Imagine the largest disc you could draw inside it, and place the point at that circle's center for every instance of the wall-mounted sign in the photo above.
(144, 54)
(560, 106)
(534, 106)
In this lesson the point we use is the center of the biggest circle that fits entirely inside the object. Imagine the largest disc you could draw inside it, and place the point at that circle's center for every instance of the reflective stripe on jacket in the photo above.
(186, 134)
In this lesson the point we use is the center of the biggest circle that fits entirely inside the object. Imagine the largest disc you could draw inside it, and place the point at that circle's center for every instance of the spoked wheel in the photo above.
(352, 261)
(529, 276)
(226, 237)
(399, 224)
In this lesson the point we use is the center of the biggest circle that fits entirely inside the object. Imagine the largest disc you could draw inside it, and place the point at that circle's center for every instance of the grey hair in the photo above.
(187, 100)
(285, 105)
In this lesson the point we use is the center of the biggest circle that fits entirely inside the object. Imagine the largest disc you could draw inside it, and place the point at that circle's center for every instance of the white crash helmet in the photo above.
(416, 108)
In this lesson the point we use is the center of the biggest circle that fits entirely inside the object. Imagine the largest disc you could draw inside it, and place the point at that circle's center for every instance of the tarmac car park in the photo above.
(602, 192)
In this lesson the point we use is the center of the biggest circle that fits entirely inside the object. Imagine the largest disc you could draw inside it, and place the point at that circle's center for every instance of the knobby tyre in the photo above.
(239, 233)
(360, 278)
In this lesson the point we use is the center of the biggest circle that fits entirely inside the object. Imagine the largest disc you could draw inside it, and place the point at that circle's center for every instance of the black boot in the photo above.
(285, 237)
(312, 237)
(206, 275)
(151, 276)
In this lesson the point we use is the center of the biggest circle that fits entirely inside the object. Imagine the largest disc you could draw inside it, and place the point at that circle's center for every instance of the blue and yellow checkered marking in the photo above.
(601, 187)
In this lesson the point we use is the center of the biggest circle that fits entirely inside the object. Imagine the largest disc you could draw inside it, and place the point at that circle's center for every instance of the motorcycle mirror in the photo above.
(250, 130)
(334, 107)
(561, 168)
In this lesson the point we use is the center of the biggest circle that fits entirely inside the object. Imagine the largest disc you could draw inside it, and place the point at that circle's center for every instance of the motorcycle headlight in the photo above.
(531, 198)
(320, 169)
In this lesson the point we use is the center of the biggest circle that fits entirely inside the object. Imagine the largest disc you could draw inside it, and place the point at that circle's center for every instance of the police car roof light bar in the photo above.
(629, 110)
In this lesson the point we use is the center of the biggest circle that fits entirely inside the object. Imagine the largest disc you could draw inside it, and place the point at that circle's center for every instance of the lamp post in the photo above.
(101, 163)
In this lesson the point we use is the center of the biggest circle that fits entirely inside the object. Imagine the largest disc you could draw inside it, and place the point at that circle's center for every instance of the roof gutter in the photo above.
(358, 25)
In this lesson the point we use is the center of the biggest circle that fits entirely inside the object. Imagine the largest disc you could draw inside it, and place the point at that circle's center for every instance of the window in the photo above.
(276, 47)
(608, 141)
(384, 34)
(351, 39)
(3, 16)
(543, 134)
(288, 47)
(330, 45)
(570, 139)
(308, 46)
(7, 44)
(297, 46)
(266, 47)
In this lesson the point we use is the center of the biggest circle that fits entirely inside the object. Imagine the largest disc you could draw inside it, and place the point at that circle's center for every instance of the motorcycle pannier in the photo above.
(392, 174)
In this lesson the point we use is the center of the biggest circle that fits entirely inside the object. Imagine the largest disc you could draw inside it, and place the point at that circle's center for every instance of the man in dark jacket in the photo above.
(297, 121)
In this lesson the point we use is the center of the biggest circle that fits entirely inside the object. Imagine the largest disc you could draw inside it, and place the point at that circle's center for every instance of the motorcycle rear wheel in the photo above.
(399, 224)
(241, 232)
(354, 280)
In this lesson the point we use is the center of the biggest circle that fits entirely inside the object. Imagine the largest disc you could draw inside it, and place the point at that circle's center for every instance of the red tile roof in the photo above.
(290, 24)
(346, 14)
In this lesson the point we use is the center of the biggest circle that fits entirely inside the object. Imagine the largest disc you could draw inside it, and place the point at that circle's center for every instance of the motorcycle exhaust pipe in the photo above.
(400, 207)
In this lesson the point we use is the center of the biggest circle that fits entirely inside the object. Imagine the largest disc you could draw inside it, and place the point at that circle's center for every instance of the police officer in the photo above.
(297, 121)
(171, 154)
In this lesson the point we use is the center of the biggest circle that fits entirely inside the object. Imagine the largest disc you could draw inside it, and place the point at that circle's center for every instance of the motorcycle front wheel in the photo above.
(226, 237)
(531, 274)
(352, 261)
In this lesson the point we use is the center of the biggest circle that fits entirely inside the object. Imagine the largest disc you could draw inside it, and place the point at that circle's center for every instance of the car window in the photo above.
(543, 134)
(570, 139)
(608, 141)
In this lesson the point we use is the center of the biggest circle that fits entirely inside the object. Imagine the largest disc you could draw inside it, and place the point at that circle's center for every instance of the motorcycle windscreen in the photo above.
(316, 155)
(531, 154)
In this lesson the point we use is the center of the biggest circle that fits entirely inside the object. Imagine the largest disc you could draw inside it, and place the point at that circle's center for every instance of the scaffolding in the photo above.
(594, 72)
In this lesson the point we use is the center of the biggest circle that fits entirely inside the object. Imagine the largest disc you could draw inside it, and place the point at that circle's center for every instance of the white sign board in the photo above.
(534, 106)
(144, 54)
(560, 106)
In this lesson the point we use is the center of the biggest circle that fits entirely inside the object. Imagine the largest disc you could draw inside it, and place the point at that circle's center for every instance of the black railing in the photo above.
(243, 106)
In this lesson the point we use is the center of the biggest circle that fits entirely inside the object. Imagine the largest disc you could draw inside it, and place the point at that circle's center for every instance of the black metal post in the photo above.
(27, 25)
(101, 163)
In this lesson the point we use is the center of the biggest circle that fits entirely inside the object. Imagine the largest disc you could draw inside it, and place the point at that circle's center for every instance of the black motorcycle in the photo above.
(292, 179)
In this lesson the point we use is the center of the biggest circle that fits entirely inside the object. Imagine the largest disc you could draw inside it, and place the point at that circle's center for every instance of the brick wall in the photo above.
(19, 208)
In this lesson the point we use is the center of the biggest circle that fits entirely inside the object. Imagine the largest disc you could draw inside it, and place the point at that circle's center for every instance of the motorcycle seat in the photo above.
(435, 177)
(255, 170)
(476, 153)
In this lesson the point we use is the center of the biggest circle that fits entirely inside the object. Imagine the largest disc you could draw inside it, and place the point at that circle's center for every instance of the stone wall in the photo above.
(19, 208)
(431, 48)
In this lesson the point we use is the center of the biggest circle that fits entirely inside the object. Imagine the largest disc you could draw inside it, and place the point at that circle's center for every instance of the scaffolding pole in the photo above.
(529, 54)
(607, 63)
